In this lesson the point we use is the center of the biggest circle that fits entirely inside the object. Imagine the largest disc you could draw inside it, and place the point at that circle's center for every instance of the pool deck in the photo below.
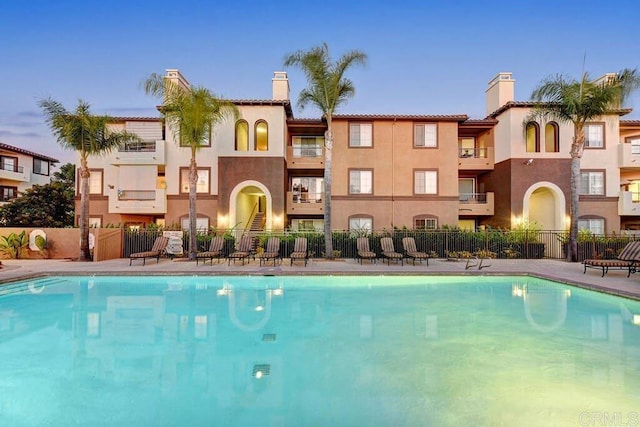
(614, 282)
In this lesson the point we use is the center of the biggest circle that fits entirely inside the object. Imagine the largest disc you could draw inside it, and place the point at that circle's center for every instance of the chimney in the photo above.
(176, 77)
(501, 90)
(280, 84)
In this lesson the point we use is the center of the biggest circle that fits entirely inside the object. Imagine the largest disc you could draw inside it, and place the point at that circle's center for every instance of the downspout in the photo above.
(393, 168)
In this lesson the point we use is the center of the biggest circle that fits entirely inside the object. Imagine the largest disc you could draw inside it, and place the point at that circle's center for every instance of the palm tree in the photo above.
(577, 102)
(328, 89)
(89, 135)
(191, 113)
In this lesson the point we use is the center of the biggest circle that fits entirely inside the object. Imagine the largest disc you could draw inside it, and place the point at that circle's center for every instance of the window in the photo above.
(551, 138)
(95, 181)
(40, 167)
(467, 147)
(425, 135)
(202, 223)
(635, 146)
(307, 146)
(594, 225)
(242, 135)
(360, 135)
(9, 164)
(307, 189)
(202, 185)
(532, 137)
(594, 135)
(361, 223)
(8, 193)
(425, 182)
(592, 183)
(262, 136)
(95, 221)
(360, 182)
(425, 222)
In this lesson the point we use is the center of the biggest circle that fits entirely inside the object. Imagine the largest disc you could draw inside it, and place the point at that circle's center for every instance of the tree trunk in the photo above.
(83, 220)
(576, 153)
(193, 181)
(328, 163)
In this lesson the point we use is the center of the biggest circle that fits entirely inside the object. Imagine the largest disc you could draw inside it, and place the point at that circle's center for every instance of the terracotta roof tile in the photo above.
(27, 152)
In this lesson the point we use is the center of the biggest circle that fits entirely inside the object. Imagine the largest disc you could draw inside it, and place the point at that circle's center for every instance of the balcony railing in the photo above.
(476, 204)
(304, 203)
(136, 194)
(307, 150)
(136, 147)
(12, 168)
(305, 157)
(478, 153)
(124, 201)
(476, 158)
(629, 203)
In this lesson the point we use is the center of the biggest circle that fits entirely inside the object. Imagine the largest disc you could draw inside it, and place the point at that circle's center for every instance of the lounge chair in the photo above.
(389, 252)
(244, 250)
(362, 244)
(156, 251)
(300, 251)
(629, 259)
(215, 251)
(409, 245)
(272, 251)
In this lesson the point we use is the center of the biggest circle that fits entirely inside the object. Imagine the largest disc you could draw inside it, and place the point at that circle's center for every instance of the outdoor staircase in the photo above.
(258, 222)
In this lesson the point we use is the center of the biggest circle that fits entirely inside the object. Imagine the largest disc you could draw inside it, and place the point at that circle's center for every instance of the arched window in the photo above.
(551, 138)
(532, 137)
(361, 222)
(242, 135)
(262, 136)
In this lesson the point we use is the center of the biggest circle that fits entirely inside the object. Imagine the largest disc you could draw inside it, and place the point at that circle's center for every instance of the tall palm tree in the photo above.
(327, 90)
(577, 102)
(191, 113)
(89, 135)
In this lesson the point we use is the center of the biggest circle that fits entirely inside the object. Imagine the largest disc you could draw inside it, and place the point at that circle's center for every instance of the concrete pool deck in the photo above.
(614, 282)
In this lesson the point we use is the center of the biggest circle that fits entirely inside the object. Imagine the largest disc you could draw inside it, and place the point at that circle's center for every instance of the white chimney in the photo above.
(501, 90)
(280, 84)
(176, 77)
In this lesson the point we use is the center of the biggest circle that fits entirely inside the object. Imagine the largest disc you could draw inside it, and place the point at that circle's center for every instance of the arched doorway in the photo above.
(249, 201)
(544, 203)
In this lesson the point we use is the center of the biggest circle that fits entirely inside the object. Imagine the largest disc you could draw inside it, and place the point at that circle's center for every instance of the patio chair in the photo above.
(156, 251)
(215, 251)
(628, 259)
(409, 245)
(272, 251)
(388, 251)
(300, 251)
(362, 244)
(243, 252)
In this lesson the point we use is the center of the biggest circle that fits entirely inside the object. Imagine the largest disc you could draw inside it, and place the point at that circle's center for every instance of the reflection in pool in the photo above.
(398, 350)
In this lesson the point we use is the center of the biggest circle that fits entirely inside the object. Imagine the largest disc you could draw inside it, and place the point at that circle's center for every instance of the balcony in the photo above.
(476, 158)
(626, 156)
(140, 153)
(629, 203)
(137, 201)
(13, 173)
(304, 203)
(473, 204)
(305, 157)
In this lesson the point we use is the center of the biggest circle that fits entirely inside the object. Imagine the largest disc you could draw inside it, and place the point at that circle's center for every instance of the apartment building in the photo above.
(21, 169)
(265, 171)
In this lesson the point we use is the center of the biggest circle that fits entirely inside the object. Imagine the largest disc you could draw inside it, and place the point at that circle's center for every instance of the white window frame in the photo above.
(202, 223)
(95, 181)
(635, 146)
(594, 225)
(429, 223)
(40, 166)
(363, 223)
(203, 180)
(425, 182)
(360, 135)
(594, 135)
(595, 185)
(360, 182)
(425, 135)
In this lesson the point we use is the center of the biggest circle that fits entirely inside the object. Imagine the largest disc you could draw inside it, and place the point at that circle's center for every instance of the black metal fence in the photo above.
(441, 243)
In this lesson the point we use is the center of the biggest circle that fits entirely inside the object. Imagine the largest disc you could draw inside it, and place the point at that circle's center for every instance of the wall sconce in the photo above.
(529, 162)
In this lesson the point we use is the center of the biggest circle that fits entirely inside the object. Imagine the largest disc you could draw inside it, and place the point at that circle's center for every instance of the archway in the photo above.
(544, 203)
(248, 198)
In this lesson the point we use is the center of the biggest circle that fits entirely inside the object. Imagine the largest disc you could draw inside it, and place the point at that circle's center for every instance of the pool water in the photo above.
(316, 351)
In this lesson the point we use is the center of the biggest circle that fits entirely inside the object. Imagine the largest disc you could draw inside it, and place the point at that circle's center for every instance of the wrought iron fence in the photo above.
(440, 243)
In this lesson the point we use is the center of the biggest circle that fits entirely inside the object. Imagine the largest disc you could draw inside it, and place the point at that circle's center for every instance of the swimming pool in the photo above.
(292, 351)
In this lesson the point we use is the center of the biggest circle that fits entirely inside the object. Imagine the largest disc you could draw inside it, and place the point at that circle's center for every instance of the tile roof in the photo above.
(531, 104)
(27, 152)
(434, 117)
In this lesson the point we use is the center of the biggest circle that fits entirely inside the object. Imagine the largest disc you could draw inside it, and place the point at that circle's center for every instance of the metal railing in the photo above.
(136, 195)
(12, 168)
(314, 150)
(145, 146)
(473, 198)
(306, 197)
(478, 153)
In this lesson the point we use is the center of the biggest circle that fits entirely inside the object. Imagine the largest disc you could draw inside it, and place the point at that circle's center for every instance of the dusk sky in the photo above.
(425, 57)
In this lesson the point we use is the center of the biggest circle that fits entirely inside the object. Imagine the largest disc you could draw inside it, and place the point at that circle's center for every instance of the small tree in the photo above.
(577, 102)
(89, 135)
(328, 89)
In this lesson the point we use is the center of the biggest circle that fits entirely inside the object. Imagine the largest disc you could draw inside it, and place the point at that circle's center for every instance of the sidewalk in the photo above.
(615, 282)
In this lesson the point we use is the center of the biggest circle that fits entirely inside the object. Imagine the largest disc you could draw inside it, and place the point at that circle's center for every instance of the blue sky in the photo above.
(425, 57)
